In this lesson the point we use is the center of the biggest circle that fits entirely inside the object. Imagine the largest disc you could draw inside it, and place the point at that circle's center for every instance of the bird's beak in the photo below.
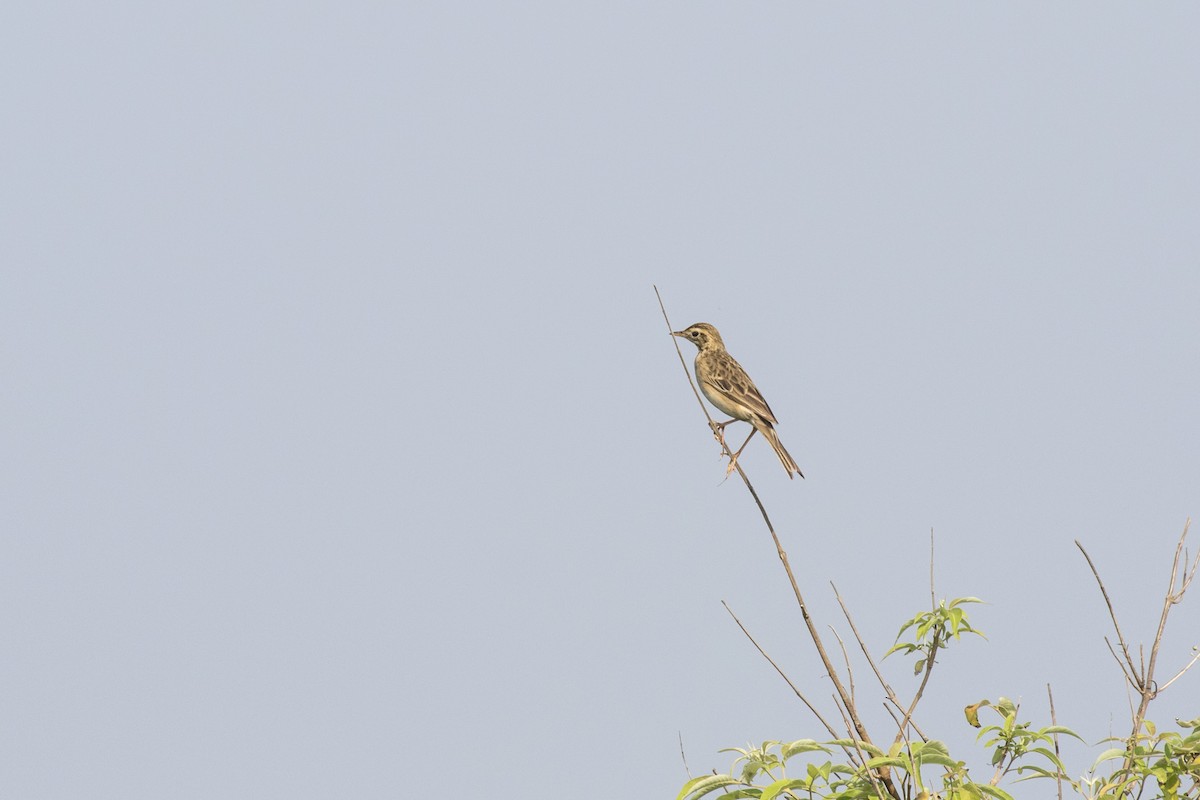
(678, 333)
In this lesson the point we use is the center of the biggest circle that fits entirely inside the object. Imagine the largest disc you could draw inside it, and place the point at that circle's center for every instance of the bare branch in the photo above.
(933, 648)
(1112, 614)
(900, 735)
(1179, 674)
(891, 695)
(1189, 572)
(1120, 663)
(783, 675)
(895, 719)
(1057, 752)
(861, 644)
(932, 594)
(862, 756)
(846, 661)
(1149, 688)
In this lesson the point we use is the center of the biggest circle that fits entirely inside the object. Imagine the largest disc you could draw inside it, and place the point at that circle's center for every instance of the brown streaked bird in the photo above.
(729, 388)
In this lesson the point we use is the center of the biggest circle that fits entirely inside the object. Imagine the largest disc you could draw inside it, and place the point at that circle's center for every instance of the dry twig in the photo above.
(1057, 750)
(782, 674)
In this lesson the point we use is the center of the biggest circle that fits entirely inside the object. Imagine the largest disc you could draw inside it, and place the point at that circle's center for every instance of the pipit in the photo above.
(729, 388)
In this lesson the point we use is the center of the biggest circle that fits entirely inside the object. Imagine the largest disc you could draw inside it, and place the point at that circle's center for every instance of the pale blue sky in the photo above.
(346, 454)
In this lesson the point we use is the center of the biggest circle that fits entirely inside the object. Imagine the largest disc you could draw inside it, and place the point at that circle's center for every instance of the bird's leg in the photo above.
(718, 429)
(733, 461)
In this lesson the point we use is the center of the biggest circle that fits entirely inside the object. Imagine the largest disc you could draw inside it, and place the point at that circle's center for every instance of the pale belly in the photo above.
(722, 402)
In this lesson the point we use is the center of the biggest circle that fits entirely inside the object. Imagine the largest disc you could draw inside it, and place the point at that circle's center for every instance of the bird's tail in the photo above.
(788, 462)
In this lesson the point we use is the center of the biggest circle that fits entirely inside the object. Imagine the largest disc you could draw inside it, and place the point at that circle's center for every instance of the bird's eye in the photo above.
(695, 334)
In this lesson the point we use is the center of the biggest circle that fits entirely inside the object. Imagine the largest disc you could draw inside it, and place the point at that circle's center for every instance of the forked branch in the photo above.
(1140, 674)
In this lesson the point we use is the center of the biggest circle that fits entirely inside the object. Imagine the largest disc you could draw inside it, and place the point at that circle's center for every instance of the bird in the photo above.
(729, 388)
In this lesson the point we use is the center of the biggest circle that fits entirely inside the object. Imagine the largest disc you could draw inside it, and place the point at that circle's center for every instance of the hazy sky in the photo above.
(345, 453)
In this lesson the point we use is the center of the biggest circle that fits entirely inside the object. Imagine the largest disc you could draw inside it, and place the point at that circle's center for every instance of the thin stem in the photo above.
(863, 757)
(933, 648)
(782, 674)
(888, 691)
(1002, 768)
(1120, 663)
(1057, 752)
(846, 661)
(861, 644)
(1179, 674)
(1112, 614)
(932, 594)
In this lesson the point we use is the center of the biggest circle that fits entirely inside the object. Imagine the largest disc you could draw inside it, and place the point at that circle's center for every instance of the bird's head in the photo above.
(701, 334)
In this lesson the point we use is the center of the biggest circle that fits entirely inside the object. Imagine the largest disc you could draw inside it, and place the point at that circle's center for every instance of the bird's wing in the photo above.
(732, 380)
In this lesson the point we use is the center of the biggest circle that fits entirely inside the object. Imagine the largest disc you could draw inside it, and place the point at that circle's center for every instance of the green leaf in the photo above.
(801, 746)
(993, 791)
(818, 772)
(866, 747)
(956, 619)
(932, 746)
(1115, 752)
(772, 791)
(698, 787)
(1050, 756)
(1061, 729)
